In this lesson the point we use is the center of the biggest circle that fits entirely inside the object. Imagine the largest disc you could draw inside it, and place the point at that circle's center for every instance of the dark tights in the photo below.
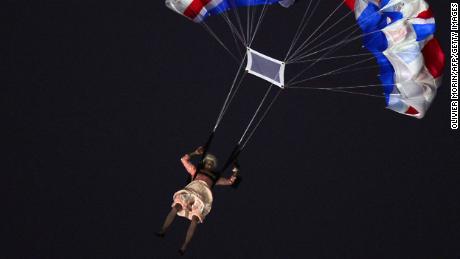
(190, 231)
(170, 218)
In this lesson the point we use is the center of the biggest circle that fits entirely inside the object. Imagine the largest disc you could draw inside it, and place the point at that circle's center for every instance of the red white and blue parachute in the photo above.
(399, 34)
(198, 10)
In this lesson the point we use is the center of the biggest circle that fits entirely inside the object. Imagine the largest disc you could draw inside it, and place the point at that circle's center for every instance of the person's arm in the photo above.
(226, 181)
(191, 169)
(231, 180)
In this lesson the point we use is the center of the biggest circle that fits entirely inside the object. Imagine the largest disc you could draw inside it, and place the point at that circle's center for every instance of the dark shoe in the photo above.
(181, 252)
(160, 234)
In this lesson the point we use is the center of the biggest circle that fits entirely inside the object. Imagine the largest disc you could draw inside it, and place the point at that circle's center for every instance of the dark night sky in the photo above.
(102, 98)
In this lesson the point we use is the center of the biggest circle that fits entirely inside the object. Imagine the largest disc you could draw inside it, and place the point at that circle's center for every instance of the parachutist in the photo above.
(194, 201)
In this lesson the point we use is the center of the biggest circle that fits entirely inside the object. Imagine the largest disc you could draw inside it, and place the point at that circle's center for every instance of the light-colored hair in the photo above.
(212, 158)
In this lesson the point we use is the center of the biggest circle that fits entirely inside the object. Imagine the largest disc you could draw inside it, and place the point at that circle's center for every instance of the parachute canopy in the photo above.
(199, 10)
(400, 35)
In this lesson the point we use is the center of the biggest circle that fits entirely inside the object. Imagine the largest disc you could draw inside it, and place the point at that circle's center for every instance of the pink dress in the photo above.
(195, 199)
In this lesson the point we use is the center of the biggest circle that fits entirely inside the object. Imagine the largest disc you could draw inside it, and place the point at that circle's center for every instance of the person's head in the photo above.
(209, 162)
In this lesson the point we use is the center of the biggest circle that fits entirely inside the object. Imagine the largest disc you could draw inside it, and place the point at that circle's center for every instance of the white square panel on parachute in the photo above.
(265, 67)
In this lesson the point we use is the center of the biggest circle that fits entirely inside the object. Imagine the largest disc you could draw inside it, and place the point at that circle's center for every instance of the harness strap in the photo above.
(233, 156)
(205, 152)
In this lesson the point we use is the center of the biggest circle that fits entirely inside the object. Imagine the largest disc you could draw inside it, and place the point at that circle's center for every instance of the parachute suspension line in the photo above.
(233, 28)
(228, 99)
(300, 29)
(344, 41)
(347, 29)
(339, 44)
(261, 119)
(229, 95)
(259, 21)
(243, 141)
(235, 35)
(234, 93)
(254, 11)
(331, 58)
(238, 19)
(338, 34)
(321, 34)
(332, 71)
(355, 25)
(255, 114)
(253, 14)
(261, 16)
(339, 91)
(237, 45)
(336, 57)
(339, 87)
(248, 19)
(355, 28)
(211, 32)
(302, 46)
(322, 56)
(349, 71)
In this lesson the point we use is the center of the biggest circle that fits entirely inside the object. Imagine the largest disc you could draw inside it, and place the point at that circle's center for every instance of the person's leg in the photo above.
(190, 232)
(169, 219)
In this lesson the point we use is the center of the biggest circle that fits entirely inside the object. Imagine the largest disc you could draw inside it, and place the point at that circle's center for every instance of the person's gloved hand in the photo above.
(235, 178)
(198, 151)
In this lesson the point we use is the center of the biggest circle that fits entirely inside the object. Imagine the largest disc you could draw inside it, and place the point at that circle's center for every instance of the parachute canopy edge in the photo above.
(199, 10)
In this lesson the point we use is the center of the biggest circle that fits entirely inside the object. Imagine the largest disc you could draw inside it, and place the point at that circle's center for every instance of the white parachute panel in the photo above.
(265, 67)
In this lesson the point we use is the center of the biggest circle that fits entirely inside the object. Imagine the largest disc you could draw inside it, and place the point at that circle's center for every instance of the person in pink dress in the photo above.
(194, 201)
